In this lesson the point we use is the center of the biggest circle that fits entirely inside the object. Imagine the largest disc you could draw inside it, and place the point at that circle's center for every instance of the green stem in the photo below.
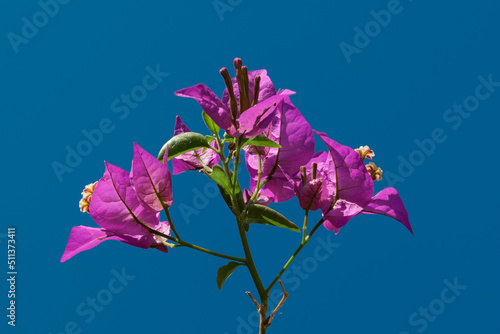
(244, 241)
(304, 227)
(201, 249)
(178, 240)
(259, 184)
(170, 221)
(198, 248)
(250, 264)
(259, 173)
(225, 162)
(297, 251)
(236, 164)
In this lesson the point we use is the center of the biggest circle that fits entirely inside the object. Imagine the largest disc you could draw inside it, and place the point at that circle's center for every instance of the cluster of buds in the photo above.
(374, 171)
(245, 100)
(303, 173)
(365, 152)
(86, 197)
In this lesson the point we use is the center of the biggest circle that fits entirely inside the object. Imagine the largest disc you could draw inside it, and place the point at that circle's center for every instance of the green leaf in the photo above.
(182, 143)
(225, 271)
(227, 197)
(228, 138)
(259, 140)
(219, 176)
(214, 128)
(261, 214)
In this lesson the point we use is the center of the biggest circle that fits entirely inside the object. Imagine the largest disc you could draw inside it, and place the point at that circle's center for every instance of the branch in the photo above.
(253, 299)
(297, 251)
(285, 296)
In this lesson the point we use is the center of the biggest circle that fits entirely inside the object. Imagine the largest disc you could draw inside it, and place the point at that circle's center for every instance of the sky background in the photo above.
(391, 87)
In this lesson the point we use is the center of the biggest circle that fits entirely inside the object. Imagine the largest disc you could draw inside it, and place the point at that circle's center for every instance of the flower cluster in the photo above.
(280, 156)
(342, 187)
(279, 146)
(86, 197)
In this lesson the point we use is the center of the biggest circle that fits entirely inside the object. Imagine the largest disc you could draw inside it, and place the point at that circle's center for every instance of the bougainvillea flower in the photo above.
(189, 161)
(290, 129)
(126, 206)
(353, 189)
(248, 102)
(151, 180)
(313, 188)
(116, 207)
(86, 197)
(83, 238)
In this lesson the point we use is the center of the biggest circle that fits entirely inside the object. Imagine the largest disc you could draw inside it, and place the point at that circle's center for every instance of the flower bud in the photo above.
(374, 171)
(303, 175)
(232, 99)
(86, 197)
(365, 152)
(314, 170)
(243, 83)
(256, 90)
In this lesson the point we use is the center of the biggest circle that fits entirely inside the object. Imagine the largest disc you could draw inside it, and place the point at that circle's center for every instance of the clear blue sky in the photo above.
(417, 81)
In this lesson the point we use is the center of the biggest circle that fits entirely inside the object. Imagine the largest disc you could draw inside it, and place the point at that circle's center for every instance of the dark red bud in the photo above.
(237, 63)
(314, 170)
(232, 99)
(244, 98)
(256, 90)
(303, 175)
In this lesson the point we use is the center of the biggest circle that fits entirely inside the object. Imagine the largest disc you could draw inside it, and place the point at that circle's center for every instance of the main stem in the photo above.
(263, 317)
(262, 308)
(244, 241)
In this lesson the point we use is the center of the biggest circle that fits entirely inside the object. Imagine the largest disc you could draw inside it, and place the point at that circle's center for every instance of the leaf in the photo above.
(182, 143)
(228, 138)
(225, 271)
(261, 214)
(214, 128)
(219, 176)
(259, 140)
(227, 197)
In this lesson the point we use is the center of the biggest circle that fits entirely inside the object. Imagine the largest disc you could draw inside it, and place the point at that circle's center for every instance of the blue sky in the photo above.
(417, 81)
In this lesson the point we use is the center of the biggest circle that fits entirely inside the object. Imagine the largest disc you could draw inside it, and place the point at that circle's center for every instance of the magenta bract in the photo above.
(353, 189)
(248, 124)
(151, 180)
(290, 129)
